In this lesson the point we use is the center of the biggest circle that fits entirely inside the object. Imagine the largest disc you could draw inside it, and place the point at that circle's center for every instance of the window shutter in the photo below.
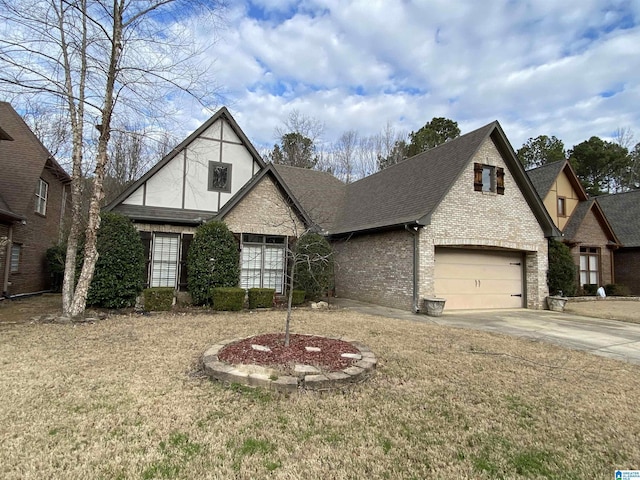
(477, 177)
(186, 242)
(500, 180)
(145, 237)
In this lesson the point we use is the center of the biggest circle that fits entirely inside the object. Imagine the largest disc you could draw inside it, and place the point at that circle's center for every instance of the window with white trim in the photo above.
(16, 250)
(41, 197)
(263, 262)
(164, 261)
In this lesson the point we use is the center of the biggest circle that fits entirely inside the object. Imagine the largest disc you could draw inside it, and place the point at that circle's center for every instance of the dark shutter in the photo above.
(477, 177)
(500, 180)
(186, 242)
(145, 237)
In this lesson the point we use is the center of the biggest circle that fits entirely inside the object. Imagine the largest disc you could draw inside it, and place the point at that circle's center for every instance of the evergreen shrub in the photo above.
(562, 271)
(158, 299)
(213, 261)
(119, 274)
(261, 297)
(617, 290)
(314, 265)
(298, 297)
(228, 298)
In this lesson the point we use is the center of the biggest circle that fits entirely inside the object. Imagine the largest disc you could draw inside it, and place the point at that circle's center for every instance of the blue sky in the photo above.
(569, 69)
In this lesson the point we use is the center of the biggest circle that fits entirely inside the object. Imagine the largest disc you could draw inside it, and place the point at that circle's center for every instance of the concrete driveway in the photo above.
(609, 338)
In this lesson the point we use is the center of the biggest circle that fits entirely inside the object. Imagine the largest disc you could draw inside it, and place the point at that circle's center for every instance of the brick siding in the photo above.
(264, 211)
(627, 267)
(591, 234)
(376, 268)
(35, 237)
(469, 218)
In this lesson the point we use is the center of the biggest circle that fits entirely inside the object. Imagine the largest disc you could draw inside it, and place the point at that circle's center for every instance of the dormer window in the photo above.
(488, 178)
(219, 177)
(41, 197)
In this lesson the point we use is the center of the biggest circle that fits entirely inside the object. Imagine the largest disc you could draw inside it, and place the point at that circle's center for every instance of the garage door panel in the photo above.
(479, 278)
(468, 302)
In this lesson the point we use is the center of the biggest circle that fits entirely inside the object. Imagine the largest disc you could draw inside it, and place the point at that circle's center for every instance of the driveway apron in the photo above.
(609, 338)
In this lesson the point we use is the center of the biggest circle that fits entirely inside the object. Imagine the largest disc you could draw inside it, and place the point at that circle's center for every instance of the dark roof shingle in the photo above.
(544, 176)
(623, 213)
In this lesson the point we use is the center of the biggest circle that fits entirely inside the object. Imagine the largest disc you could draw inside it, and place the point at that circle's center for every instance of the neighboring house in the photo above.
(461, 221)
(623, 212)
(33, 206)
(215, 173)
(584, 226)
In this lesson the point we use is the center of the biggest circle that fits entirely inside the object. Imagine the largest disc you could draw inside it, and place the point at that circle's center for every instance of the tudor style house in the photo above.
(460, 221)
(215, 173)
(585, 228)
(34, 194)
(623, 212)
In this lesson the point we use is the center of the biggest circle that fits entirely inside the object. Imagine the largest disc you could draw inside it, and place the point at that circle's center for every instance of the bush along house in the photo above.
(460, 221)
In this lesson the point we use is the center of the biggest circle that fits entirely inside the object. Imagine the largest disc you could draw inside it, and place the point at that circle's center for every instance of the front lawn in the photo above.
(123, 398)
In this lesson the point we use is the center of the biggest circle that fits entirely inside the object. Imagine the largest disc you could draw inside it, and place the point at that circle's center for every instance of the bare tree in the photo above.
(302, 124)
(345, 152)
(99, 59)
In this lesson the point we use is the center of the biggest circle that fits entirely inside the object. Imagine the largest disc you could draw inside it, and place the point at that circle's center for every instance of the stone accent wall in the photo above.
(35, 237)
(264, 210)
(376, 268)
(627, 267)
(591, 234)
(469, 218)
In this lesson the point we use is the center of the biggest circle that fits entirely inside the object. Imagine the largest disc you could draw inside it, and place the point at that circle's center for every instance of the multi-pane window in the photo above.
(263, 262)
(41, 197)
(164, 263)
(15, 257)
(488, 178)
(589, 262)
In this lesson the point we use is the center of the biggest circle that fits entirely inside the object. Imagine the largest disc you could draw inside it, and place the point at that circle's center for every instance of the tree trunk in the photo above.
(289, 302)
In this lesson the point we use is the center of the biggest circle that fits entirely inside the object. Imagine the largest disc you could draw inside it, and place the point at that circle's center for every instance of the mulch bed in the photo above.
(327, 359)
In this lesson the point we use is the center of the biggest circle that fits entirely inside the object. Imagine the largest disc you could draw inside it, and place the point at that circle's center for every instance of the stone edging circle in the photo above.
(270, 378)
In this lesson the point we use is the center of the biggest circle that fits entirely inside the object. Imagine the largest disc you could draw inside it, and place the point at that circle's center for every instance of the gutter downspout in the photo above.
(7, 263)
(414, 234)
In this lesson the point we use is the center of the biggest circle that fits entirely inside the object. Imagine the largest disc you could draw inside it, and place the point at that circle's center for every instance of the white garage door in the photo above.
(471, 279)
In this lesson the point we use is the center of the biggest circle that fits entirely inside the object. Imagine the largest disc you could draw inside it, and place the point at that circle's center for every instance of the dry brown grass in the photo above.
(118, 399)
(625, 310)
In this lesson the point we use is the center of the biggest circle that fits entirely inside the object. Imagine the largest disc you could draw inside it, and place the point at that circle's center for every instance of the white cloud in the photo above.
(559, 68)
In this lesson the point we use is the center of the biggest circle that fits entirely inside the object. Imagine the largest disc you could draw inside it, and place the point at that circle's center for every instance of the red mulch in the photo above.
(327, 359)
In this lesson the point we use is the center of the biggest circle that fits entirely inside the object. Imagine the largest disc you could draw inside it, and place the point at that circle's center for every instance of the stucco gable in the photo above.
(181, 179)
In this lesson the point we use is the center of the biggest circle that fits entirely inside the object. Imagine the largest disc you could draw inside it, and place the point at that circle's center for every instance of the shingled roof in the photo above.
(319, 193)
(623, 213)
(544, 176)
(22, 161)
(406, 193)
(579, 214)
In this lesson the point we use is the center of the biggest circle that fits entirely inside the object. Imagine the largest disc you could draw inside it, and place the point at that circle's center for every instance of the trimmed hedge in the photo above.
(617, 290)
(261, 297)
(314, 265)
(228, 298)
(213, 261)
(158, 298)
(119, 273)
(562, 271)
(298, 297)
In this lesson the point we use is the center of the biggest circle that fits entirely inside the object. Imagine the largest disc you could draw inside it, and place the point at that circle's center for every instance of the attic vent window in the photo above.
(219, 177)
(488, 178)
